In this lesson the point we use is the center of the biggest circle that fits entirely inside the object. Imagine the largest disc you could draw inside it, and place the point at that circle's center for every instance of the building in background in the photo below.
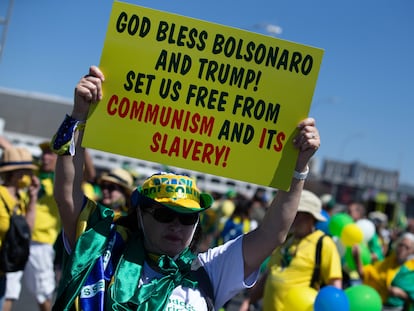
(27, 119)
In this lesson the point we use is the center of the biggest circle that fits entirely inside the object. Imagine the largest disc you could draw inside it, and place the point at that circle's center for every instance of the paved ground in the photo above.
(26, 302)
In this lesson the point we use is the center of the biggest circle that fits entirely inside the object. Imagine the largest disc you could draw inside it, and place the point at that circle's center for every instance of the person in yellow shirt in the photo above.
(18, 192)
(392, 277)
(39, 273)
(292, 264)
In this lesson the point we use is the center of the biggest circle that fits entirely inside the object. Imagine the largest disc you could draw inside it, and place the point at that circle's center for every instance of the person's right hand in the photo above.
(87, 91)
(397, 292)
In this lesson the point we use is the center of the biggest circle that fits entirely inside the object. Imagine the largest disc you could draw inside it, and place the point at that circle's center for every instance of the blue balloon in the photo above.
(330, 297)
(323, 225)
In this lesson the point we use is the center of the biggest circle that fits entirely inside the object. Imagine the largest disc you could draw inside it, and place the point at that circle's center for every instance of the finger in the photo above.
(306, 122)
(96, 72)
(90, 89)
(307, 140)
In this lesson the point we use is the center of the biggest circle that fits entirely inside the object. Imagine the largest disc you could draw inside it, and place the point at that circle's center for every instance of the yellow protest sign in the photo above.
(202, 96)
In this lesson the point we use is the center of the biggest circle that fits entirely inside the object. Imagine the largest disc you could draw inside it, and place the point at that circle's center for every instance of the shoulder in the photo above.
(93, 214)
(316, 236)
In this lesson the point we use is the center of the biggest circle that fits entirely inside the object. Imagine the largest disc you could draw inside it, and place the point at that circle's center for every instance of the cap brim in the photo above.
(183, 206)
(320, 217)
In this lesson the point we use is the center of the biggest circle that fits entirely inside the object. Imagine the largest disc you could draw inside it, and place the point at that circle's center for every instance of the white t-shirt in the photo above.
(224, 265)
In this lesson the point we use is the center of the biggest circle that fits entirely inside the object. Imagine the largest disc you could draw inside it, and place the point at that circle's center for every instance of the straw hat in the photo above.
(120, 177)
(16, 158)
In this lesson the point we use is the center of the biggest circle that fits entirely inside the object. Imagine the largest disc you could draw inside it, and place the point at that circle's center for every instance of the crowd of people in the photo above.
(104, 242)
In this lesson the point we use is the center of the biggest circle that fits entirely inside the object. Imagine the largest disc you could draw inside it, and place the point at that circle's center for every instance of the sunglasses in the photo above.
(110, 187)
(166, 215)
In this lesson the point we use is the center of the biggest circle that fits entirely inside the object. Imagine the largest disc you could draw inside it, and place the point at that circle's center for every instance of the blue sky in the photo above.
(363, 101)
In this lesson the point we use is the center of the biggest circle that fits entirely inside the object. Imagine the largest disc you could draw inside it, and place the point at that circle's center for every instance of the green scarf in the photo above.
(124, 293)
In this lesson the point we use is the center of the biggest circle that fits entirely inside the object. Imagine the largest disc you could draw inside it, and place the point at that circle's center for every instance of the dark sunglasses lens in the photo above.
(188, 219)
(166, 215)
(163, 215)
(109, 187)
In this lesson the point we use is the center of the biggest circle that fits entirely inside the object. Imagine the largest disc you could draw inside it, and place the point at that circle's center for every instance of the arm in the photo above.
(256, 292)
(398, 292)
(4, 142)
(69, 169)
(272, 232)
(89, 170)
(356, 254)
(31, 206)
(336, 283)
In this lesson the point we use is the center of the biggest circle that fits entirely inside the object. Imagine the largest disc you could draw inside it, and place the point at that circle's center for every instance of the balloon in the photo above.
(351, 234)
(330, 297)
(363, 298)
(323, 225)
(367, 227)
(300, 298)
(364, 253)
(337, 222)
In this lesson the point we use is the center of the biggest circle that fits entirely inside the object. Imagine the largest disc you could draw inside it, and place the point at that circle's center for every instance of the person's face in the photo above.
(355, 211)
(405, 248)
(21, 178)
(167, 235)
(112, 194)
(48, 161)
(303, 224)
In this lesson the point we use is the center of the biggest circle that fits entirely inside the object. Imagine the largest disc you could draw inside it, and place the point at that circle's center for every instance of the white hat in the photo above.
(310, 203)
(377, 216)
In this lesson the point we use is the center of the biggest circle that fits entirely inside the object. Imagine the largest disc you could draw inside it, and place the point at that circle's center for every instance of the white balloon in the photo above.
(367, 227)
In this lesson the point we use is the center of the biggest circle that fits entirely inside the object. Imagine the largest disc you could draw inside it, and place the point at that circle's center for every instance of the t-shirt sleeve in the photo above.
(225, 267)
(331, 267)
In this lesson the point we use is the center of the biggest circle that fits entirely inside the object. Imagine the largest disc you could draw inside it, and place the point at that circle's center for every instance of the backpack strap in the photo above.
(317, 269)
(5, 205)
(204, 284)
(10, 211)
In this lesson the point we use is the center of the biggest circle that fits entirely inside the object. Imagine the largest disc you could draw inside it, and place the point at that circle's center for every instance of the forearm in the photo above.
(356, 255)
(398, 292)
(274, 228)
(336, 283)
(70, 164)
(33, 193)
(89, 171)
(31, 213)
(279, 218)
(68, 187)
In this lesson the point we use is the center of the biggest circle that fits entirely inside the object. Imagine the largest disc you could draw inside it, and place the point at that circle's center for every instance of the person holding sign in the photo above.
(144, 261)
